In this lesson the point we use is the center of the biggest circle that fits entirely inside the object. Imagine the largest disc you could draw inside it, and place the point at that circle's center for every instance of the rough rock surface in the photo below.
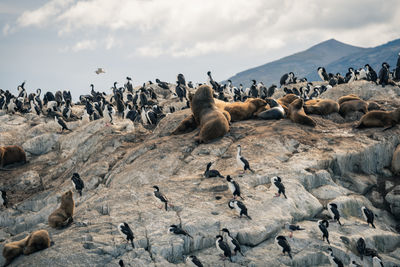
(331, 162)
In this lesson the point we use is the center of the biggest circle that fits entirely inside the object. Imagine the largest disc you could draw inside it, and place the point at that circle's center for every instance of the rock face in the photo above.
(329, 163)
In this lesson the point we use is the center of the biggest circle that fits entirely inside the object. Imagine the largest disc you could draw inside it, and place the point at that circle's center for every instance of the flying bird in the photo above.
(99, 70)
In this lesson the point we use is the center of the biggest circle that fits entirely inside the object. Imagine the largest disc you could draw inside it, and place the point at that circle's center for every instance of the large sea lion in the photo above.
(297, 114)
(321, 106)
(244, 110)
(380, 118)
(62, 216)
(348, 98)
(352, 106)
(213, 122)
(36, 241)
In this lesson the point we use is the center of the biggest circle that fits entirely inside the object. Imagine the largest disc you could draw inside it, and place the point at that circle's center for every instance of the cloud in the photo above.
(189, 28)
(6, 29)
(84, 45)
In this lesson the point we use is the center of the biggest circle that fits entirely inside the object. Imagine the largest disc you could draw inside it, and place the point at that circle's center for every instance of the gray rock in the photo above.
(41, 144)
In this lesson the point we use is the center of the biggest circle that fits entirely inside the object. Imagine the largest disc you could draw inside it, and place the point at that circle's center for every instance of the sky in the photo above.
(58, 44)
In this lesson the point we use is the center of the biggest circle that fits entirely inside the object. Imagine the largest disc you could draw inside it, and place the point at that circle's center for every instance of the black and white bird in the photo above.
(126, 232)
(233, 244)
(160, 197)
(234, 187)
(241, 161)
(239, 207)
(292, 227)
(181, 79)
(322, 74)
(62, 123)
(368, 216)
(281, 188)
(211, 173)
(193, 261)
(3, 199)
(334, 212)
(355, 264)
(371, 73)
(323, 226)
(174, 229)
(223, 247)
(360, 246)
(377, 262)
(335, 261)
(163, 85)
(283, 244)
(78, 183)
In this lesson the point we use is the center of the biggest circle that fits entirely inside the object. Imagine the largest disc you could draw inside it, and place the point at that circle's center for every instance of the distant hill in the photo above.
(335, 56)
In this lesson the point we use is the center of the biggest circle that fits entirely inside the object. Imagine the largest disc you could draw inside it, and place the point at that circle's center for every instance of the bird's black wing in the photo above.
(338, 262)
(161, 196)
(79, 184)
(125, 229)
(246, 163)
(284, 244)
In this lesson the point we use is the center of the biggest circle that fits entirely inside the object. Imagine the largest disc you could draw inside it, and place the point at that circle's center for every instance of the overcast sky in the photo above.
(58, 44)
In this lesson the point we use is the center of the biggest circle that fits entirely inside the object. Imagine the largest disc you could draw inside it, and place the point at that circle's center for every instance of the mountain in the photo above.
(335, 56)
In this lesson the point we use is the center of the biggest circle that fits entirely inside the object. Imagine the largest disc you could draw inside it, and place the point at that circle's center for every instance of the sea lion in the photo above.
(297, 114)
(36, 241)
(286, 100)
(11, 154)
(276, 112)
(62, 216)
(13, 249)
(321, 106)
(347, 98)
(213, 122)
(352, 106)
(380, 118)
(244, 110)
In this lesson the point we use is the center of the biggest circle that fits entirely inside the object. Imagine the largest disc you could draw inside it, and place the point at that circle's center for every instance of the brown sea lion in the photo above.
(380, 118)
(352, 106)
(321, 106)
(286, 100)
(62, 216)
(348, 98)
(36, 241)
(244, 110)
(213, 122)
(297, 114)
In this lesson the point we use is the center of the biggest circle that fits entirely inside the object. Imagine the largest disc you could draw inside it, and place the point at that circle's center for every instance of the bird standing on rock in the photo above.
(126, 232)
(211, 173)
(281, 188)
(233, 244)
(241, 161)
(234, 187)
(334, 212)
(223, 247)
(239, 207)
(78, 183)
(178, 231)
(368, 215)
(281, 242)
(323, 226)
(62, 123)
(292, 227)
(160, 197)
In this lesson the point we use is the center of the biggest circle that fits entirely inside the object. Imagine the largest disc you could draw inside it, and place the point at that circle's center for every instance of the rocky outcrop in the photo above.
(119, 165)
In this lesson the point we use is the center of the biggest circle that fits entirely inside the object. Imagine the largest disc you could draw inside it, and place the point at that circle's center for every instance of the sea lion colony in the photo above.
(212, 112)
